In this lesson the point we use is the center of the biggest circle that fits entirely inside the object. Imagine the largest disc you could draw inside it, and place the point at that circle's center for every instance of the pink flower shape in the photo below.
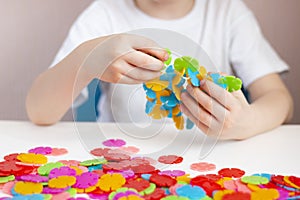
(203, 167)
(173, 173)
(58, 151)
(70, 162)
(130, 149)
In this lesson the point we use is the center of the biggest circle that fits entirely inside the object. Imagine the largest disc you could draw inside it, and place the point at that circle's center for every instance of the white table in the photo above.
(275, 152)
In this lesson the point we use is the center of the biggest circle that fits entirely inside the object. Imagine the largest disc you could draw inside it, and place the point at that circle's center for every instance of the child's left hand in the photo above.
(217, 112)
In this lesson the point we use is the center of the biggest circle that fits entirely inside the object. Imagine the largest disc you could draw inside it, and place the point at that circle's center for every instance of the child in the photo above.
(226, 29)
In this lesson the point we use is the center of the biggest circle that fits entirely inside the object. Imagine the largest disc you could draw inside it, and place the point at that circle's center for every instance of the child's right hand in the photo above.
(125, 58)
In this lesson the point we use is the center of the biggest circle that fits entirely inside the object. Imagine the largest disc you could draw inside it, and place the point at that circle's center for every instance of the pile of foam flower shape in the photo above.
(163, 93)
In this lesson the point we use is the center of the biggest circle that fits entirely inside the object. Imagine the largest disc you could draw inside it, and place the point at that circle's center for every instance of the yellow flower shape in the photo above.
(32, 158)
(131, 197)
(185, 178)
(219, 194)
(111, 182)
(266, 194)
(157, 84)
(27, 188)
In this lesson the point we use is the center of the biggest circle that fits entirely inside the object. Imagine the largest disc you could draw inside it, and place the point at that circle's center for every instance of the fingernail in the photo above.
(181, 107)
(166, 57)
(182, 96)
(189, 88)
(202, 82)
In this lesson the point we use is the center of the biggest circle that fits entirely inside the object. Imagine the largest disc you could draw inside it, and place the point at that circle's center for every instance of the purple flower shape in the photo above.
(173, 173)
(99, 196)
(47, 190)
(41, 150)
(62, 171)
(114, 143)
(86, 180)
(35, 178)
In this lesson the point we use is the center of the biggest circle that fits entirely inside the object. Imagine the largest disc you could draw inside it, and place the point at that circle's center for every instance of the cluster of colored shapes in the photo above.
(163, 93)
(116, 174)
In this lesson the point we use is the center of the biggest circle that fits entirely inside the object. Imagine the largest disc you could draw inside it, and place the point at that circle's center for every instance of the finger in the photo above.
(224, 97)
(128, 80)
(158, 53)
(199, 113)
(143, 60)
(208, 103)
(197, 122)
(240, 96)
(149, 46)
(135, 72)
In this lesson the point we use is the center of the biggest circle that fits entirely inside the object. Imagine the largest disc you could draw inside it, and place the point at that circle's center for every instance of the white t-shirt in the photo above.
(226, 29)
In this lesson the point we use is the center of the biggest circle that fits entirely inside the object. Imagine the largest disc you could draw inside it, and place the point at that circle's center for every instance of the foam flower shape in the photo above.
(233, 83)
(189, 124)
(237, 195)
(157, 84)
(218, 195)
(130, 149)
(162, 180)
(58, 151)
(70, 162)
(99, 151)
(265, 194)
(25, 188)
(62, 171)
(167, 62)
(86, 180)
(170, 101)
(92, 162)
(45, 169)
(149, 106)
(5, 179)
(195, 81)
(41, 150)
(62, 182)
(48, 190)
(158, 193)
(292, 181)
(184, 63)
(35, 178)
(149, 93)
(173, 197)
(231, 172)
(114, 143)
(170, 159)
(179, 121)
(255, 180)
(32, 158)
(192, 192)
(203, 166)
(148, 190)
(138, 184)
(111, 182)
(126, 173)
(173, 173)
(218, 79)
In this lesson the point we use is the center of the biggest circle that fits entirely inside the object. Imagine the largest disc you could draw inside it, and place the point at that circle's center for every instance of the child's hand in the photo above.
(217, 112)
(125, 58)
